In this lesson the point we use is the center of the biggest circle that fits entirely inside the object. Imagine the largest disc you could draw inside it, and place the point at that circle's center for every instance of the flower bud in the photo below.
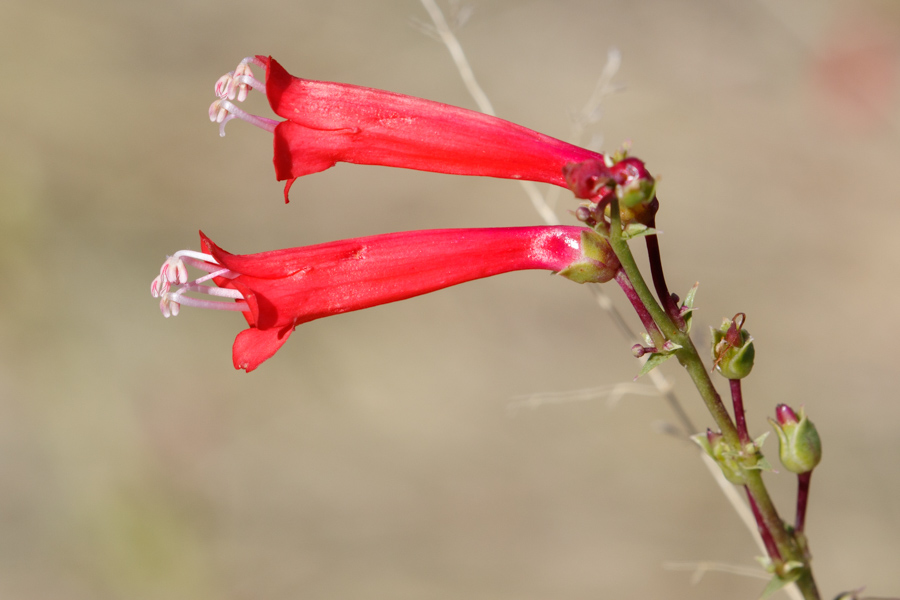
(799, 446)
(725, 456)
(732, 350)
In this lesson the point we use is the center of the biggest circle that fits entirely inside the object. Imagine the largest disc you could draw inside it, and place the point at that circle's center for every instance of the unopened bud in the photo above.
(799, 446)
(635, 185)
(732, 350)
(584, 214)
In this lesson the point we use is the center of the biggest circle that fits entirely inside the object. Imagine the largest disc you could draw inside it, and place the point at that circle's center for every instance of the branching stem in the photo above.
(781, 545)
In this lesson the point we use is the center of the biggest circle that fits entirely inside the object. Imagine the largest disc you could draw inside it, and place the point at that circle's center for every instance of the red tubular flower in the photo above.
(278, 290)
(329, 123)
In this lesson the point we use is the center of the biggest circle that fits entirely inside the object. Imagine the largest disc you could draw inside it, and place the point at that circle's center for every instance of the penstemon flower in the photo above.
(327, 123)
(278, 290)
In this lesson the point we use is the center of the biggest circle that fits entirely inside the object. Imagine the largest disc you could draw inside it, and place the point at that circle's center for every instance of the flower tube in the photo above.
(326, 123)
(278, 290)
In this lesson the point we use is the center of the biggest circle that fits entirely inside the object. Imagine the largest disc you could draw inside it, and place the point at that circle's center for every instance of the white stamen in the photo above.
(208, 289)
(221, 111)
(176, 300)
(172, 283)
(238, 83)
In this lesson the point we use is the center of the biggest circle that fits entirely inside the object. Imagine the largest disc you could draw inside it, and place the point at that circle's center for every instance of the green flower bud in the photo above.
(732, 350)
(799, 446)
(636, 192)
(725, 456)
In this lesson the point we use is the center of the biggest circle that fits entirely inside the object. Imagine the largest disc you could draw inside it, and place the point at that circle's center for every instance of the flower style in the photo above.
(278, 290)
(327, 123)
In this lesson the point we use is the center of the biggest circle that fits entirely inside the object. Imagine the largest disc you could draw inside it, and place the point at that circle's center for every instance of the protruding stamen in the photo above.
(174, 273)
(221, 111)
(170, 304)
(238, 83)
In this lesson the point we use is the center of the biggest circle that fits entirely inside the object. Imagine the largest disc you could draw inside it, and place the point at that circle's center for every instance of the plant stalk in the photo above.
(785, 547)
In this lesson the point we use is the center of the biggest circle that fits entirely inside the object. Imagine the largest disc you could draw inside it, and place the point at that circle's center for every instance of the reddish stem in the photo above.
(768, 540)
(802, 497)
(659, 279)
(740, 421)
(641, 310)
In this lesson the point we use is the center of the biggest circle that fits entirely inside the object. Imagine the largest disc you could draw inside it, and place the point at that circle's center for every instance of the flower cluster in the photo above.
(326, 123)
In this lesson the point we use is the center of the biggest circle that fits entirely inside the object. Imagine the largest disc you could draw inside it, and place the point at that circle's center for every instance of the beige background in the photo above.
(376, 456)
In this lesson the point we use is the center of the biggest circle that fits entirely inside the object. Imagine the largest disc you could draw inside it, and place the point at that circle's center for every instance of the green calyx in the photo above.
(799, 445)
(734, 462)
(599, 263)
(724, 455)
(640, 191)
(732, 349)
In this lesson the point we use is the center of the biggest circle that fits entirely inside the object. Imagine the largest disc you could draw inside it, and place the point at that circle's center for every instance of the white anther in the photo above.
(172, 271)
(172, 283)
(238, 83)
(159, 286)
(175, 270)
(219, 113)
(224, 85)
(169, 305)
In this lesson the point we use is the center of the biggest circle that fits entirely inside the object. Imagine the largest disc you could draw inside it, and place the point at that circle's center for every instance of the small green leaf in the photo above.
(792, 572)
(689, 305)
(654, 361)
(635, 230)
(689, 299)
(762, 465)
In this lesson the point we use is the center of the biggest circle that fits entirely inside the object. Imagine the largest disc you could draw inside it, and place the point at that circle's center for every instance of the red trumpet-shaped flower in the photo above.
(327, 123)
(278, 290)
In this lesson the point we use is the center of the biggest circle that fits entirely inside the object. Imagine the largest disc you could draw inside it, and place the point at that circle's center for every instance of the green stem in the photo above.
(620, 246)
(693, 364)
(687, 355)
(690, 359)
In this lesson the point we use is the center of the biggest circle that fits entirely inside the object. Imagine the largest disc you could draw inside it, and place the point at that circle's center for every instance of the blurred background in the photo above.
(378, 455)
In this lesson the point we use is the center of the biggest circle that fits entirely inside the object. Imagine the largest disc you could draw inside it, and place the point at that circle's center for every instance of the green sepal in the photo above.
(792, 571)
(670, 347)
(799, 445)
(595, 247)
(761, 465)
(654, 361)
(636, 230)
(599, 264)
(733, 362)
(725, 456)
(689, 305)
(601, 229)
(639, 192)
(581, 272)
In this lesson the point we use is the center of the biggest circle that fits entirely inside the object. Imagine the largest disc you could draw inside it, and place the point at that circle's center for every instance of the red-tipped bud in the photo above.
(786, 415)
(799, 446)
